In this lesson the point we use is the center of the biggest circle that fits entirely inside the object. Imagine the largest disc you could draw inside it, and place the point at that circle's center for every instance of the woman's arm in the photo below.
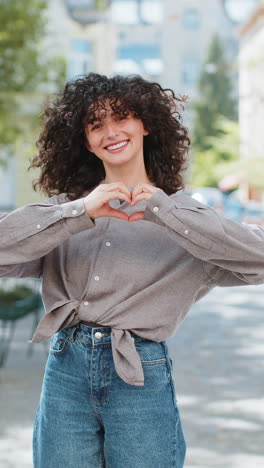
(238, 248)
(31, 269)
(31, 232)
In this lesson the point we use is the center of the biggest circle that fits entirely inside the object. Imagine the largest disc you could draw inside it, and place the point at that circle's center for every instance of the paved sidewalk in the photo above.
(20, 385)
(218, 357)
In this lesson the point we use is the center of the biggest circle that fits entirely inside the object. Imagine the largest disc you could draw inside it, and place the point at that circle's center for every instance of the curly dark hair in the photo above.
(68, 166)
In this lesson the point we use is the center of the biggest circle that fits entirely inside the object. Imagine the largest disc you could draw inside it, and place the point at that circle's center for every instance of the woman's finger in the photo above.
(117, 194)
(113, 213)
(140, 188)
(139, 197)
(136, 216)
(143, 192)
(117, 186)
(96, 203)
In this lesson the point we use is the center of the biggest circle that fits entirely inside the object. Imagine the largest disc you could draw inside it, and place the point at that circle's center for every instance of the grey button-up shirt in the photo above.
(141, 276)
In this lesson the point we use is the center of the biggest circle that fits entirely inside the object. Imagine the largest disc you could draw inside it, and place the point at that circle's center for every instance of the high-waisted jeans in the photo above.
(88, 417)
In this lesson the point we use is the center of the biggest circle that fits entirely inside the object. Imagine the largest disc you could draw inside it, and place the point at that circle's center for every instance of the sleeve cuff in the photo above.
(157, 206)
(75, 217)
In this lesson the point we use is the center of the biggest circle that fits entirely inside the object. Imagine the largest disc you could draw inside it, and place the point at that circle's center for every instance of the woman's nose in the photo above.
(111, 130)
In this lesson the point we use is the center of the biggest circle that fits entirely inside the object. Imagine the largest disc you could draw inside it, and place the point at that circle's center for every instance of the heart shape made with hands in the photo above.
(97, 202)
(138, 193)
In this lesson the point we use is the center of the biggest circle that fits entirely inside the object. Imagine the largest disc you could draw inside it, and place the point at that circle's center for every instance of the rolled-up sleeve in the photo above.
(204, 233)
(32, 231)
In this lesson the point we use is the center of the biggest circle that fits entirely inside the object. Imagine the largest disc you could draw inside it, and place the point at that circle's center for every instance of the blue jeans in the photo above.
(88, 417)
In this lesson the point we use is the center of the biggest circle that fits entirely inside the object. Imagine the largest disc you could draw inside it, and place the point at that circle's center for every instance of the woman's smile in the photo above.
(117, 147)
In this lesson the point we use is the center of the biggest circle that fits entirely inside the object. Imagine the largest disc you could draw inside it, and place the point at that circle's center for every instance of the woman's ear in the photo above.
(145, 133)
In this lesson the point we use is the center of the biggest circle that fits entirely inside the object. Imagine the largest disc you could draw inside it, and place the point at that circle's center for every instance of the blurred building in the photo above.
(163, 40)
(138, 28)
(189, 26)
(110, 36)
(251, 103)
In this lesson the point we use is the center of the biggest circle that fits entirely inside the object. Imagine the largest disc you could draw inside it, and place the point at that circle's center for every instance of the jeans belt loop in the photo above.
(73, 330)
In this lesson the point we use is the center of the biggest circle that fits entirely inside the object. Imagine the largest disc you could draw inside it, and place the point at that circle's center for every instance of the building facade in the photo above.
(251, 101)
(163, 40)
(189, 26)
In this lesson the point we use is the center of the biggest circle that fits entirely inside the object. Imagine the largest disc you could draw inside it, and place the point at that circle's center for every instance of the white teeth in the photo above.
(118, 145)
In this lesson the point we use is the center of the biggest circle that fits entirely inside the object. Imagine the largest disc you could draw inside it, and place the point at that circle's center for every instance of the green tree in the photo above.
(24, 66)
(221, 156)
(215, 97)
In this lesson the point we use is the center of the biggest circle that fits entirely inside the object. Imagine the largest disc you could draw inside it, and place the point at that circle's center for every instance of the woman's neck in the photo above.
(128, 179)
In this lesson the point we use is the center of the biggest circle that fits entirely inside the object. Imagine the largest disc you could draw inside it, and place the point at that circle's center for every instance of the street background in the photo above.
(218, 355)
(211, 51)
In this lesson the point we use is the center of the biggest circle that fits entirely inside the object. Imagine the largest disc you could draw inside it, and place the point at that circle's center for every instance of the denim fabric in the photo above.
(88, 417)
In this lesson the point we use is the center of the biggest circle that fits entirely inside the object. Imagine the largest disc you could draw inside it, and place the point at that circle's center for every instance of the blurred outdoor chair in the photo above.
(16, 302)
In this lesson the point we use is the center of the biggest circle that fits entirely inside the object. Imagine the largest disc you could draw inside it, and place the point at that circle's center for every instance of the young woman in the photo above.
(123, 255)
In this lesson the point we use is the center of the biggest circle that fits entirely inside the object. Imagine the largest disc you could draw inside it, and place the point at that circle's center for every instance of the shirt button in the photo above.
(186, 231)
(96, 278)
(98, 335)
(74, 212)
(86, 303)
(155, 209)
(38, 226)
(108, 244)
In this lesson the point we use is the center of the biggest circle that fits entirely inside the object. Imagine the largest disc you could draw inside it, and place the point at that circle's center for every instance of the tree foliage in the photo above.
(215, 128)
(22, 25)
(221, 155)
(24, 66)
(215, 96)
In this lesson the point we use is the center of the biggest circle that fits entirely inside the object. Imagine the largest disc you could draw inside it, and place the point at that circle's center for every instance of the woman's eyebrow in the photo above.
(91, 120)
(99, 118)
(119, 112)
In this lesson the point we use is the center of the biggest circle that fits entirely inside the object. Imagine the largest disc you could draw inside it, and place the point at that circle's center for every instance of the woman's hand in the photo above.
(96, 203)
(141, 192)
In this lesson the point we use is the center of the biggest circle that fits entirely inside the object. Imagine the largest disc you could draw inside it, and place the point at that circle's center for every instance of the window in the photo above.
(137, 11)
(190, 70)
(80, 46)
(152, 11)
(191, 19)
(124, 11)
(80, 57)
(139, 58)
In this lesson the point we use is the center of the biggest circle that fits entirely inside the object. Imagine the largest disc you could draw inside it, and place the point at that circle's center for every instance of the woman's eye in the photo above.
(122, 117)
(96, 126)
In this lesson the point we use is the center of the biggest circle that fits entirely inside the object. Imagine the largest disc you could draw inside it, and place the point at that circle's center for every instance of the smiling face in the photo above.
(115, 138)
